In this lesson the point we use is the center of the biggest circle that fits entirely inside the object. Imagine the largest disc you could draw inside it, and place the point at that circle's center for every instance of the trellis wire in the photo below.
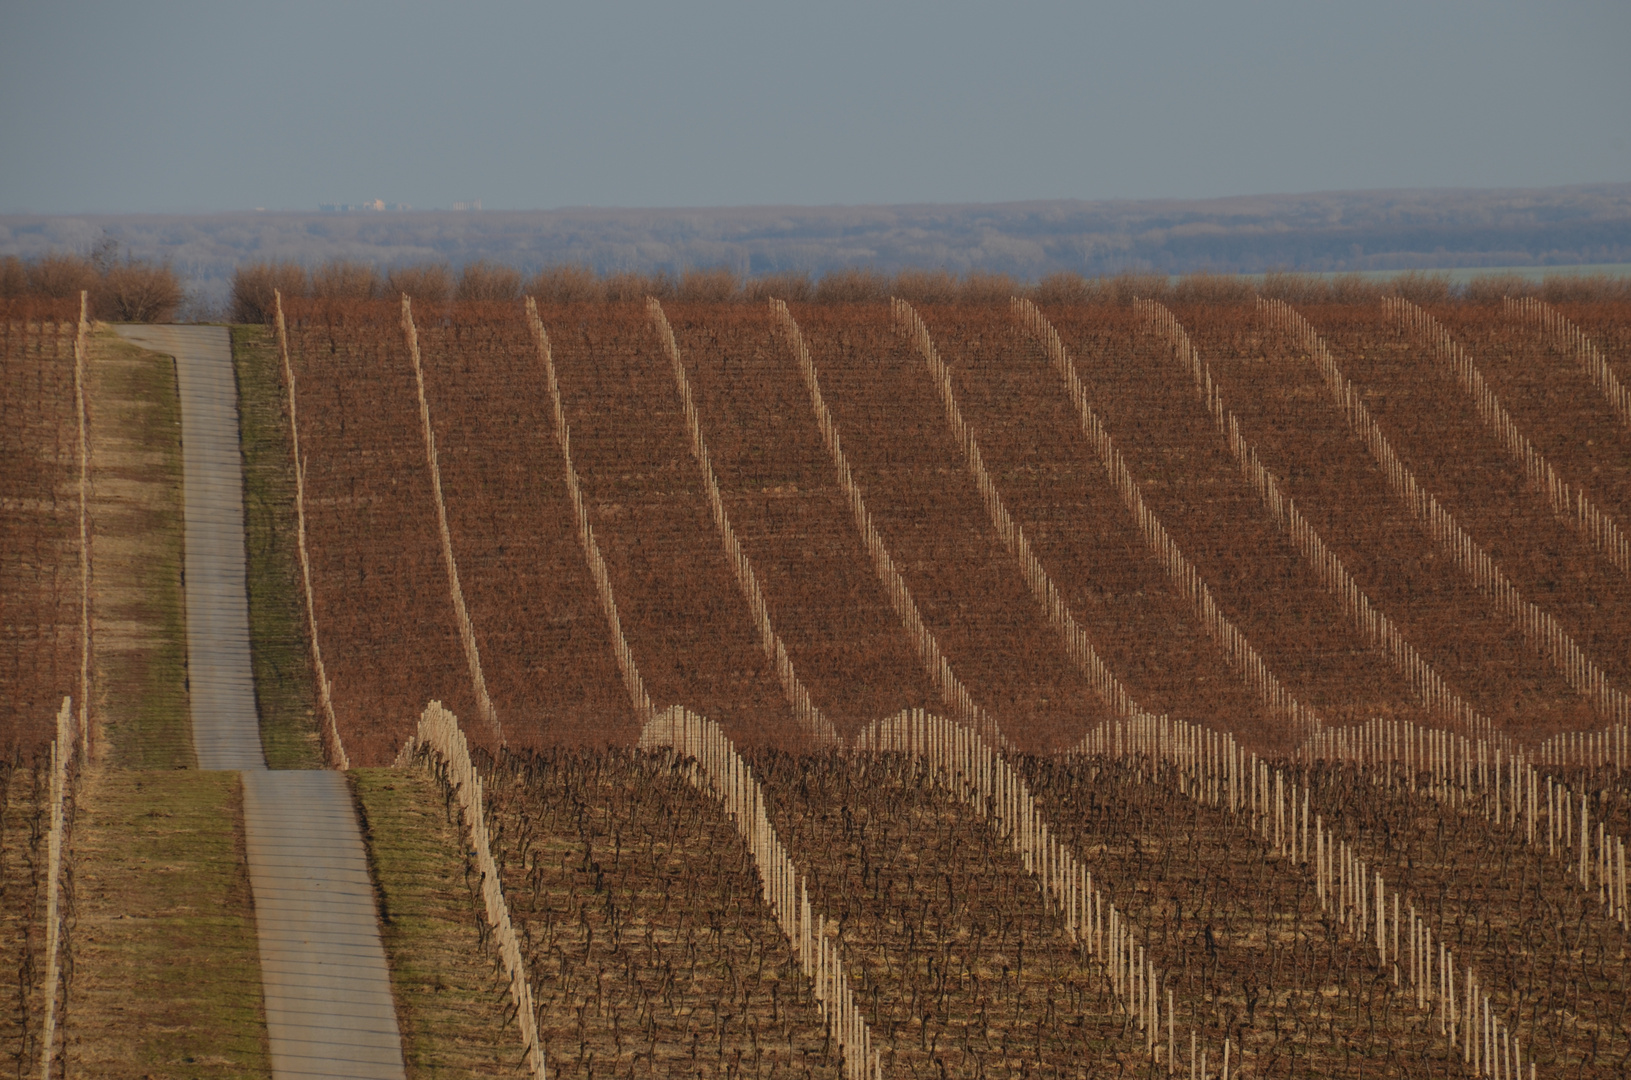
(814, 726)
(334, 748)
(1569, 501)
(953, 694)
(467, 632)
(1540, 628)
(1565, 333)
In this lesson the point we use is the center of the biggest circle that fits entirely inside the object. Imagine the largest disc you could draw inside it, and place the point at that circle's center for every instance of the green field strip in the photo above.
(138, 611)
(166, 970)
(451, 998)
(279, 647)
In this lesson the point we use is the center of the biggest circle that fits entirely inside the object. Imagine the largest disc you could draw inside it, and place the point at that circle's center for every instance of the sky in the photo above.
(184, 107)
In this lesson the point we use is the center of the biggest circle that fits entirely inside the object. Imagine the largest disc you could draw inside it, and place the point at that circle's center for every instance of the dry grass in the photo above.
(280, 648)
(140, 706)
(166, 968)
(450, 998)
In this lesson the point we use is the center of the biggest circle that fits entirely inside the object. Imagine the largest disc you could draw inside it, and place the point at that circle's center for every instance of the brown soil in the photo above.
(545, 649)
(39, 532)
(384, 613)
(1543, 945)
(646, 959)
(1053, 478)
(1553, 401)
(785, 504)
(1237, 928)
(925, 505)
(957, 962)
(1436, 428)
(682, 612)
(1285, 411)
(1190, 480)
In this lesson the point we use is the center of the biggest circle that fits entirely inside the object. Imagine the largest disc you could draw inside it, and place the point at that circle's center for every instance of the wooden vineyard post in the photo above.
(814, 727)
(1374, 625)
(439, 733)
(81, 357)
(1543, 632)
(1242, 656)
(62, 776)
(467, 632)
(1568, 501)
(952, 693)
(333, 748)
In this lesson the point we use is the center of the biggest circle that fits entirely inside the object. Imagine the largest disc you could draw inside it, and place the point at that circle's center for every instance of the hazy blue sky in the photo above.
(185, 106)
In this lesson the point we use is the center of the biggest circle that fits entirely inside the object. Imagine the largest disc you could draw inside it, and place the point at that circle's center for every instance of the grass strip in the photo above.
(280, 651)
(139, 614)
(451, 1002)
(166, 967)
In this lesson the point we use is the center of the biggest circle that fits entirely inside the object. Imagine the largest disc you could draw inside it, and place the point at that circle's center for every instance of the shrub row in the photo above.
(122, 290)
(253, 285)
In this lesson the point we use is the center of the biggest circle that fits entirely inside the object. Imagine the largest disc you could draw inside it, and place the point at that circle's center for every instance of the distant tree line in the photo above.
(253, 286)
(126, 289)
(121, 289)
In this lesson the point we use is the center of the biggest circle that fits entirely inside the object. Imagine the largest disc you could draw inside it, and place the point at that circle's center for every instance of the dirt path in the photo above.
(328, 997)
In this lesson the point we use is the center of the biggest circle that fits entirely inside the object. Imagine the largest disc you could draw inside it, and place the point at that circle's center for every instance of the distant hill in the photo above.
(1325, 231)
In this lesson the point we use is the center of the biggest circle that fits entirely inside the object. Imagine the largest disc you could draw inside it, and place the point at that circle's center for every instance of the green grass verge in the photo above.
(138, 519)
(451, 1000)
(166, 967)
(285, 688)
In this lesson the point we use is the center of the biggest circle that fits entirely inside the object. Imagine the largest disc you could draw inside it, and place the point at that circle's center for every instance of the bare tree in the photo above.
(254, 284)
(139, 291)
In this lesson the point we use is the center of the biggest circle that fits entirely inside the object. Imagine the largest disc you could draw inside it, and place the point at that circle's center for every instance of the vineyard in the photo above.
(1281, 650)
(41, 649)
(1164, 687)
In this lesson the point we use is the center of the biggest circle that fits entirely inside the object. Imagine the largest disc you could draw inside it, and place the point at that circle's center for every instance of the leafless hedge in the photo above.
(436, 283)
(128, 290)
